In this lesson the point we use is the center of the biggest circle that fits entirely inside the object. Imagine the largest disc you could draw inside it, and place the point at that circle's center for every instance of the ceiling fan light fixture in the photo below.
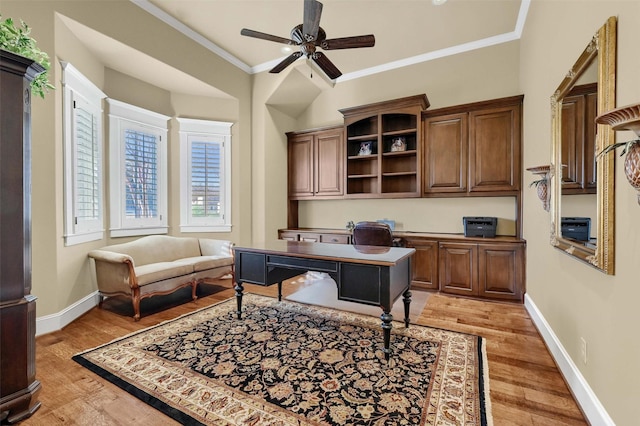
(309, 35)
(438, 2)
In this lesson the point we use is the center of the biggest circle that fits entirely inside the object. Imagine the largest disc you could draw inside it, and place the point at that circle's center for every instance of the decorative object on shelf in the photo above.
(399, 144)
(350, 226)
(626, 118)
(16, 39)
(365, 148)
(542, 184)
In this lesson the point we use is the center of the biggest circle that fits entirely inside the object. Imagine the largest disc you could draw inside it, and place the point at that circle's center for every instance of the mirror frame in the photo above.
(602, 48)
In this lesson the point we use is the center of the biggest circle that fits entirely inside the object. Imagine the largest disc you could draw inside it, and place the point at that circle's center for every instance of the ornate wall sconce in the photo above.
(626, 118)
(542, 183)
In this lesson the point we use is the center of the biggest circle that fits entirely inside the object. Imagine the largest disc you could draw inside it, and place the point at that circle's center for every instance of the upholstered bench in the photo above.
(159, 264)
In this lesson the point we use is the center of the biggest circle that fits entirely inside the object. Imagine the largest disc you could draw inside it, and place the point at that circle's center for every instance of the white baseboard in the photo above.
(54, 322)
(588, 401)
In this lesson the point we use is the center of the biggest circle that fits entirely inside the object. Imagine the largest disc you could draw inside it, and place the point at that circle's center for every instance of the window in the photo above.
(83, 174)
(138, 170)
(205, 176)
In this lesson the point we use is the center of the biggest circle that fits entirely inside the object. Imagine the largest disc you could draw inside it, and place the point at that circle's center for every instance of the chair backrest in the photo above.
(372, 234)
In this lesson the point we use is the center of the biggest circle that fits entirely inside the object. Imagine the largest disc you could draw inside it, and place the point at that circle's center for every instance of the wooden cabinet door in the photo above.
(500, 271)
(458, 268)
(301, 166)
(329, 163)
(572, 136)
(494, 149)
(445, 153)
(424, 264)
(578, 135)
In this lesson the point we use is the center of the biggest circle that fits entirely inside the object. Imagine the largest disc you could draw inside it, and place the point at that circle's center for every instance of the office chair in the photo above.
(372, 234)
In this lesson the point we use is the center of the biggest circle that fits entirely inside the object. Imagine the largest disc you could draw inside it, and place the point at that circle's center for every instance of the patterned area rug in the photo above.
(286, 363)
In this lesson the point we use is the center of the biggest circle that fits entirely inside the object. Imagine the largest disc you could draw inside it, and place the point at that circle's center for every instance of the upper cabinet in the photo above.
(473, 148)
(383, 148)
(316, 163)
(579, 110)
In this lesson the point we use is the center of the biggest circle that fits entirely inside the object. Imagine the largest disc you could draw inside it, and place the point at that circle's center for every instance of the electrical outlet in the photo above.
(583, 350)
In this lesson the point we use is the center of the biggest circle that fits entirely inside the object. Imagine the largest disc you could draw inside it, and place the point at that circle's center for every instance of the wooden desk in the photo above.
(364, 274)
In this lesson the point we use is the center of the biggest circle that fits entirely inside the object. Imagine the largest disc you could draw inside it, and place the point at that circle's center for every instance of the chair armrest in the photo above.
(211, 247)
(110, 256)
(115, 273)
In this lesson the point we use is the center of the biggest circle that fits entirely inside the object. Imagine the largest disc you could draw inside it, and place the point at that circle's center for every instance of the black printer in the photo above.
(480, 226)
(577, 228)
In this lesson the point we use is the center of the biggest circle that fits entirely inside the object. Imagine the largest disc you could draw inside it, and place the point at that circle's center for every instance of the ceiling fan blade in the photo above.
(286, 62)
(311, 22)
(326, 65)
(349, 42)
(264, 36)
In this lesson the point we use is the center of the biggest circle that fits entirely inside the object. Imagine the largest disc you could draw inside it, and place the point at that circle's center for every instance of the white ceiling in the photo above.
(406, 32)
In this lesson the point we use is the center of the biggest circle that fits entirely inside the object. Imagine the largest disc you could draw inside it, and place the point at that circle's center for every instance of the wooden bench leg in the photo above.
(135, 300)
(194, 289)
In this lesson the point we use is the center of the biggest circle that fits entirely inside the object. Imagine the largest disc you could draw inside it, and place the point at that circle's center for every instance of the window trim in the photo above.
(122, 114)
(76, 85)
(214, 132)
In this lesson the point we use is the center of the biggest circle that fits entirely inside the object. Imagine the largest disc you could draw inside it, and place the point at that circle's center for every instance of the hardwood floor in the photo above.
(526, 386)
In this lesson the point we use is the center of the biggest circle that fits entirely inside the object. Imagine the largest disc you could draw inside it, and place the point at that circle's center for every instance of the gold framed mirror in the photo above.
(597, 247)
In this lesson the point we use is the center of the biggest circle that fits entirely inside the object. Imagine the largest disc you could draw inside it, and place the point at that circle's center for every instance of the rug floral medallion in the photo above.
(286, 363)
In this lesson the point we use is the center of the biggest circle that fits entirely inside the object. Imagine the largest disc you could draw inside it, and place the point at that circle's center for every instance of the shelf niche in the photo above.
(383, 148)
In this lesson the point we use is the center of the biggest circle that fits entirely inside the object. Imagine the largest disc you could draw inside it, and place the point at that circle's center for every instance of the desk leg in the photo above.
(386, 318)
(280, 291)
(407, 302)
(239, 289)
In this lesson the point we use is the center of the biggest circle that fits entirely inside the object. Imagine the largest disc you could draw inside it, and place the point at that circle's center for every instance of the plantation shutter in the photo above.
(87, 163)
(141, 174)
(206, 170)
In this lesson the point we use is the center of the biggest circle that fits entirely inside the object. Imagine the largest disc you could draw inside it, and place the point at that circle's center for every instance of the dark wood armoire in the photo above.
(19, 388)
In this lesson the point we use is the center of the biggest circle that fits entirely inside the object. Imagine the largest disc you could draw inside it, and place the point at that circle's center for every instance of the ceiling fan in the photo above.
(309, 36)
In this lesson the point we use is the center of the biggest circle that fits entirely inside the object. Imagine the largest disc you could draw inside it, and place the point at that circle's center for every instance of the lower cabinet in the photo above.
(459, 268)
(488, 270)
(501, 271)
(492, 269)
(424, 265)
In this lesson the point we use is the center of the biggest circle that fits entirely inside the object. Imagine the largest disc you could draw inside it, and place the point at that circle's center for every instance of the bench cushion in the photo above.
(159, 271)
(202, 263)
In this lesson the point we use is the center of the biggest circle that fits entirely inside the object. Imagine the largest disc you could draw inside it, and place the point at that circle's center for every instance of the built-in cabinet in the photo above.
(316, 163)
(399, 149)
(383, 144)
(473, 148)
(579, 110)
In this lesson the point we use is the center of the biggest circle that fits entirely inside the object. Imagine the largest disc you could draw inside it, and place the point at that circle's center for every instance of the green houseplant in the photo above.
(16, 39)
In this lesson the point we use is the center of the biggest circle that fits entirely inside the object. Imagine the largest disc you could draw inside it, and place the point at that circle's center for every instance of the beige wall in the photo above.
(577, 300)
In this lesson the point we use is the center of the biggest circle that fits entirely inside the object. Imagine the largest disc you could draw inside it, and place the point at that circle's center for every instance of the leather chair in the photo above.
(372, 234)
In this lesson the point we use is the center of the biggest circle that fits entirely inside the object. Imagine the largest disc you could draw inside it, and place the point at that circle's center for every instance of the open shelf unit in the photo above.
(383, 148)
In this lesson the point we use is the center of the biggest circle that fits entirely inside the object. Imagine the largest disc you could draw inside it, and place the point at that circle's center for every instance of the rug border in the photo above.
(164, 408)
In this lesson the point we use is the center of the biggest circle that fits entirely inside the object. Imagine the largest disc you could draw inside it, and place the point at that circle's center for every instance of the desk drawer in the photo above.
(334, 238)
(302, 264)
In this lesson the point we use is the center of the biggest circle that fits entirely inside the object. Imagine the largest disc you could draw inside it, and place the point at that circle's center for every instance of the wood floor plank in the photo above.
(526, 387)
